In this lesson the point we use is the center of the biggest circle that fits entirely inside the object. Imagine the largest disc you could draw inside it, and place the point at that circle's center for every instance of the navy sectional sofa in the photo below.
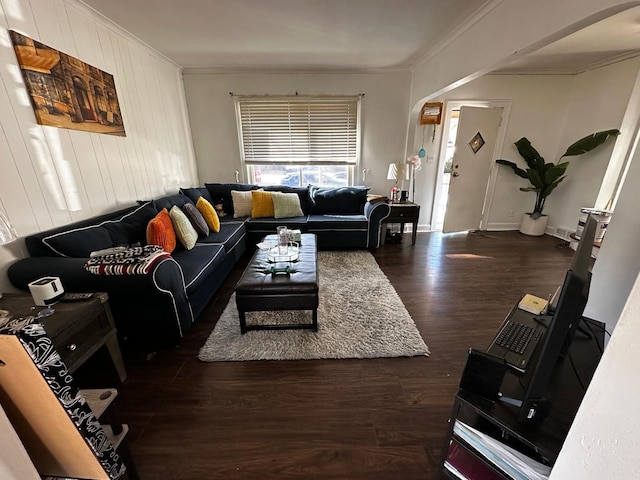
(158, 308)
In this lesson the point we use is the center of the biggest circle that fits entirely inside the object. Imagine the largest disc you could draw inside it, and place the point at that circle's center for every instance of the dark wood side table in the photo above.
(407, 212)
(77, 329)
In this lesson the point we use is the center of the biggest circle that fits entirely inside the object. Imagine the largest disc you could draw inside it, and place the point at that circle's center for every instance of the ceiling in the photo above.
(608, 41)
(343, 34)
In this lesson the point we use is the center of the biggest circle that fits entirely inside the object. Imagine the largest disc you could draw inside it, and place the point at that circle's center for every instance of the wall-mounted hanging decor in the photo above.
(431, 113)
(476, 142)
(66, 92)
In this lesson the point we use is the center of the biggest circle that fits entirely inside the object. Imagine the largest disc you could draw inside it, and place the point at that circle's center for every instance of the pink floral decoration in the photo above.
(415, 162)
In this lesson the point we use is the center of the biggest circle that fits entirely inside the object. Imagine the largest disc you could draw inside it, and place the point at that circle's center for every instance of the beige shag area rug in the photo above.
(360, 316)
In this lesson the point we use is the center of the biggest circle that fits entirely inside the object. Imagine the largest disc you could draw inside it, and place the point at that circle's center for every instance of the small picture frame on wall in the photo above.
(476, 143)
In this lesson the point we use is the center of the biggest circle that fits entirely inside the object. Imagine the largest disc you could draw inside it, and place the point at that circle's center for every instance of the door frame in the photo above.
(450, 106)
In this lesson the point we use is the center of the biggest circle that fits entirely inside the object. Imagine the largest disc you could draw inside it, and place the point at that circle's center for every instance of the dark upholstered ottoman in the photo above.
(260, 290)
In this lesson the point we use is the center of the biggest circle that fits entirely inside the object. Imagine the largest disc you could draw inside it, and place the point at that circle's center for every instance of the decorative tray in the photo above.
(292, 254)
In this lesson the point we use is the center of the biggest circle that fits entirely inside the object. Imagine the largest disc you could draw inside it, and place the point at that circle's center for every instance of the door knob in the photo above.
(455, 174)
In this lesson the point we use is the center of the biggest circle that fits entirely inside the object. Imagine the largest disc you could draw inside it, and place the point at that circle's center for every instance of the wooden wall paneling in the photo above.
(13, 196)
(83, 28)
(133, 119)
(59, 140)
(186, 143)
(90, 173)
(46, 167)
(88, 50)
(18, 15)
(29, 151)
(66, 31)
(126, 146)
(98, 142)
(172, 82)
(62, 148)
(169, 174)
(165, 173)
(149, 139)
(110, 154)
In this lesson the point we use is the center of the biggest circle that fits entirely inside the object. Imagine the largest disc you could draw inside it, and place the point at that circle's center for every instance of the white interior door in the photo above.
(472, 161)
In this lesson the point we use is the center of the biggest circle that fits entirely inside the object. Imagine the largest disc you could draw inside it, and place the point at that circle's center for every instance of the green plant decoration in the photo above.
(545, 177)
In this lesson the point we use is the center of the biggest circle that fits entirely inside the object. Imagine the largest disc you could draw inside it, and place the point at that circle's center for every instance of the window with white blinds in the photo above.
(299, 130)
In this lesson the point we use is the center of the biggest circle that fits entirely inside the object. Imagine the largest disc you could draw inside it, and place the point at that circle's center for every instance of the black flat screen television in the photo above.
(564, 323)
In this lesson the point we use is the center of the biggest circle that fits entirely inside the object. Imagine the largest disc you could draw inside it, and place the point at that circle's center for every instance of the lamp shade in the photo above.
(398, 171)
(7, 232)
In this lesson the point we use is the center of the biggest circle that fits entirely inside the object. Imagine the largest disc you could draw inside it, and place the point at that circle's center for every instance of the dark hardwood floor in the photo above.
(336, 419)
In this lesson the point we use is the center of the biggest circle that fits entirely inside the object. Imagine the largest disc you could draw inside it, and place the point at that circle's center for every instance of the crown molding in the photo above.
(429, 52)
(114, 27)
(294, 70)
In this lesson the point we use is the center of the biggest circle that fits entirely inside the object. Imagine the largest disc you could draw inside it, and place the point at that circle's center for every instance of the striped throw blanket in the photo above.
(132, 261)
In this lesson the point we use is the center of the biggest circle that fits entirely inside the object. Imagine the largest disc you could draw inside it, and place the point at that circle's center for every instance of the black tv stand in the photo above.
(541, 440)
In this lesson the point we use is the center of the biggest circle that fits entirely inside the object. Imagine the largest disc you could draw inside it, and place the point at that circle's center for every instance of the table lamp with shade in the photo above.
(397, 172)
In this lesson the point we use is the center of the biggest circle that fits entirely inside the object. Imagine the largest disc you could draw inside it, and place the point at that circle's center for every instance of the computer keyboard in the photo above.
(515, 336)
(517, 340)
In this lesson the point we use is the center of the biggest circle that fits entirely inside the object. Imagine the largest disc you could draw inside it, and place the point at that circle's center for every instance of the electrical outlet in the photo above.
(430, 158)
(512, 212)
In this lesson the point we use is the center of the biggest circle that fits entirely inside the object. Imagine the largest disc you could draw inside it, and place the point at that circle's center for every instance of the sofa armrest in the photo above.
(375, 213)
(155, 301)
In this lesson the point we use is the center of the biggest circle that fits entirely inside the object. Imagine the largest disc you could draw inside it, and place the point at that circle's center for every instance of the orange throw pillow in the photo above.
(160, 231)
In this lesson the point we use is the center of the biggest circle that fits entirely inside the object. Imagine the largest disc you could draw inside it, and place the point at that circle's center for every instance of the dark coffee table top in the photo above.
(303, 279)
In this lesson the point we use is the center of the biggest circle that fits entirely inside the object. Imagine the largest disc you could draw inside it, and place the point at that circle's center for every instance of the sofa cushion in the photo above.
(185, 232)
(79, 242)
(171, 200)
(242, 203)
(160, 231)
(230, 234)
(328, 222)
(199, 263)
(261, 204)
(286, 205)
(209, 214)
(196, 219)
(338, 200)
(221, 193)
(132, 228)
(195, 193)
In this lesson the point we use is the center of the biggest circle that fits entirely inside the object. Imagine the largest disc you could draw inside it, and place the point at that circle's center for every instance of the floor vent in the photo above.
(563, 233)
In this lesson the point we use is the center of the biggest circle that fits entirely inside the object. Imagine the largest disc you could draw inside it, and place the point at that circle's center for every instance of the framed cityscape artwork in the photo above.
(66, 92)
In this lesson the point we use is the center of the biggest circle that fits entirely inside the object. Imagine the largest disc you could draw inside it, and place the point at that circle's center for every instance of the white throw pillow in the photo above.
(185, 232)
(241, 203)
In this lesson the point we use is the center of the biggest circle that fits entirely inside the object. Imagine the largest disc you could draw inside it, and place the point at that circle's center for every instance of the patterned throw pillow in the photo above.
(209, 213)
(286, 205)
(241, 203)
(196, 219)
(185, 232)
(261, 204)
(160, 231)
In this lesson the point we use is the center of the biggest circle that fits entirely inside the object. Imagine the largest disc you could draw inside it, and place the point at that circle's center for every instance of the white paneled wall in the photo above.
(52, 176)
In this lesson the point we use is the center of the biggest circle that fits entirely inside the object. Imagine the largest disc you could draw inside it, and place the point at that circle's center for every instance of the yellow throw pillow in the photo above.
(261, 204)
(209, 213)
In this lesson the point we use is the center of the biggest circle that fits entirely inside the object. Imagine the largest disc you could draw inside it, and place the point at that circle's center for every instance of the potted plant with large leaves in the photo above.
(545, 177)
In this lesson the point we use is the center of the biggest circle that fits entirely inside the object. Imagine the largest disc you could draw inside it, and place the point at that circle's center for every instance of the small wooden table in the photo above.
(407, 212)
(77, 329)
